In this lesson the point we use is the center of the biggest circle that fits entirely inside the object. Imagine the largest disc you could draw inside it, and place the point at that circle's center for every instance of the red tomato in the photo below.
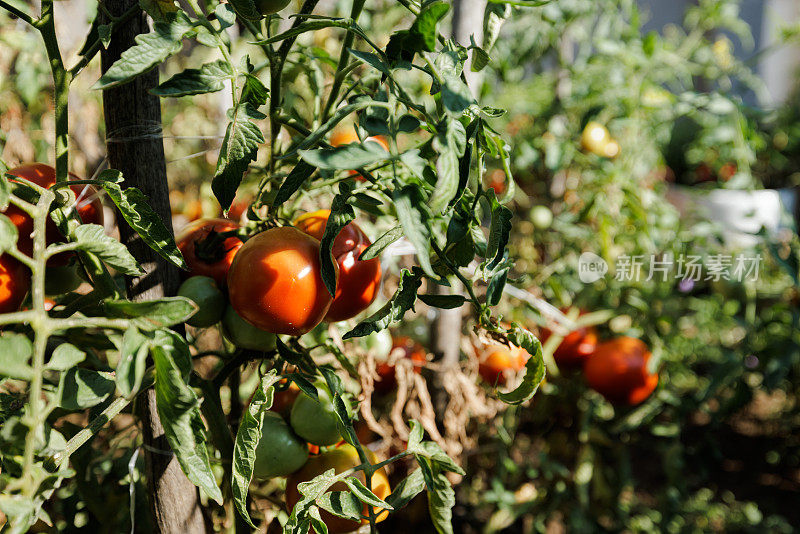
(618, 371)
(345, 136)
(209, 257)
(15, 281)
(88, 204)
(411, 350)
(275, 282)
(575, 348)
(496, 359)
(359, 281)
(282, 401)
(497, 181)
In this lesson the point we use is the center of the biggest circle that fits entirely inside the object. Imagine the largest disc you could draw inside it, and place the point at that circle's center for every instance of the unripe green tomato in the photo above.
(541, 217)
(315, 421)
(243, 334)
(268, 7)
(203, 291)
(279, 452)
(61, 279)
(380, 344)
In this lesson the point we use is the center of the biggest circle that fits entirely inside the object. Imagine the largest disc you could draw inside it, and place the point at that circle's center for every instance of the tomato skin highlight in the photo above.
(216, 262)
(88, 205)
(340, 459)
(15, 282)
(359, 281)
(275, 282)
(279, 451)
(618, 371)
(203, 291)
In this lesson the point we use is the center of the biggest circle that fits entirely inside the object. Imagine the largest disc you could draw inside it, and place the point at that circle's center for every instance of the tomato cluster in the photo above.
(273, 281)
(15, 278)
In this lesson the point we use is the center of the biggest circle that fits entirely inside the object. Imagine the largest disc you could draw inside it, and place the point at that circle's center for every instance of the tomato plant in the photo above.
(203, 291)
(208, 249)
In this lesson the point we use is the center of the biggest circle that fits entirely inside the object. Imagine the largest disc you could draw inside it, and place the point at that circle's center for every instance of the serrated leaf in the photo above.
(247, 438)
(150, 50)
(209, 78)
(445, 302)
(413, 216)
(16, 351)
(406, 490)
(91, 238)
(8, 234)
(499, 230)
(239, 148)
(341, 215)
(450, 145)
(179, 410)
(293, 182)
(135, 209)
(394, 310)
(152, 314)
(365, 495)
(64, 357)
(134, 348)
(441, 499)
(341, 504)
(494, 16)
(350, 156)
(380, 244)
(83, 388)
(534, 367)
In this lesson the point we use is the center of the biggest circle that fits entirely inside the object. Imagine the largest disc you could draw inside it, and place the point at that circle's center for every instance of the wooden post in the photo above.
(134, 144)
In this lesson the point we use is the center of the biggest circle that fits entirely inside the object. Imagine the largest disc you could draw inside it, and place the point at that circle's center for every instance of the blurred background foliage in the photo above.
(717, 447)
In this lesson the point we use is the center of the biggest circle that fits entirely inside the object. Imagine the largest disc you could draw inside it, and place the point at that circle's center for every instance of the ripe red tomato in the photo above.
(359, 281)
(205, 253)
(618, 371)
(345, 136)
(411, 350)
(88, 205)
(496, 359)
(15, 281)
(275, 282)
(575, 348)
(340, 459)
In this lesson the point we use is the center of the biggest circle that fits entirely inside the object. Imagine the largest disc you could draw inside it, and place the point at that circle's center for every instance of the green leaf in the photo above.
(341, 504)
(394, 310)
(239, 148)
(298, 359)
(407, 489)
(341, 215)
(413, 216)
(5, 188)
(480, 58)
(380, 244)
(246, 9)
(493, 18)
(441, 499)
(350, 156)
(150, 50)
(494, 291)
(450, 145)
(83, 388)
(64, 357)
(91, 238)
(209, 78)
(135, 209)
(16, 351)
(247, 438)
(365, 495)
(152, 314)
(179, 410)
(133, 350)
(445, 302)
(534, 367)
(8, 234)
(424, 27)
(499, 230)
(293, 182)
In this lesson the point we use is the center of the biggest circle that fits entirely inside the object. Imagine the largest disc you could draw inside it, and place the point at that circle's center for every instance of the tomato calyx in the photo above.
(210, 248)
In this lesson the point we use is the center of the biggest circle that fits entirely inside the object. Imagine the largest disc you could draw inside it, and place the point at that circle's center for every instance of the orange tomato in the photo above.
(345, 136)
(15, 281)
(412, 350)
(209, 257)
(87, 204)
(359, 281)
(340, 459)
(496, 359)
(275, 282)
(618, 371)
